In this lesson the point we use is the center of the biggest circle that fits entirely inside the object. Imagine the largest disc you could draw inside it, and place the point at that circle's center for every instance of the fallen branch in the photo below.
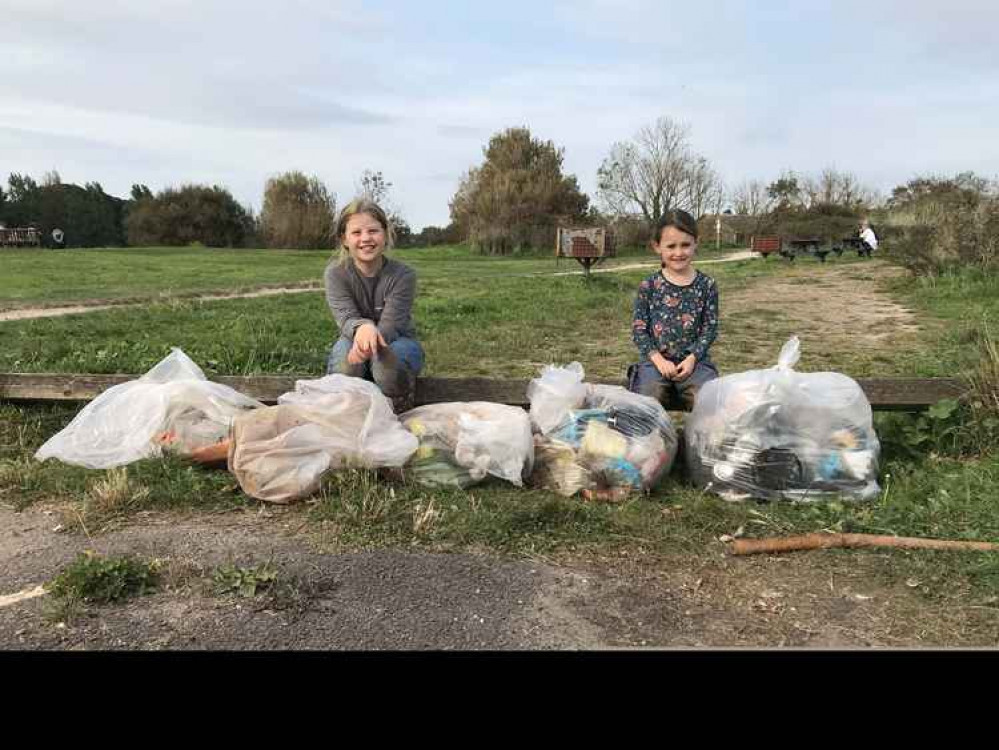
(822, 541)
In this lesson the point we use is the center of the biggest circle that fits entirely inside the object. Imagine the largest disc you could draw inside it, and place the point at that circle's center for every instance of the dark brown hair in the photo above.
(679, 219)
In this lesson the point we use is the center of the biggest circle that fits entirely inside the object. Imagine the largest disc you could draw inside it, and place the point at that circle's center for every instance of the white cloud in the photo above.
(220, 91)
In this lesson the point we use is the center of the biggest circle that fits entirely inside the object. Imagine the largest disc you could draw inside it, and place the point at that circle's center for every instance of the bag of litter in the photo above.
(609, 442)
(558, 390)
(462, 442)
(173, 406)
(777, 433)
(280, 453)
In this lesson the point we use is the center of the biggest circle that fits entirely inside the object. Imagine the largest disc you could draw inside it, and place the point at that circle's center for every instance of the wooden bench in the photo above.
(885, 394)
(766, 244)
(854, 243)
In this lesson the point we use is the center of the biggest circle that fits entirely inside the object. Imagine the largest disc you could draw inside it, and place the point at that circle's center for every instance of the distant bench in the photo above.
(885, 394)
(791, 247)
(767, 244)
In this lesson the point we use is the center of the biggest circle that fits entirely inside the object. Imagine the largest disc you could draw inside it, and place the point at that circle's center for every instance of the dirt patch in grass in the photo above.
(843, 316)
(812, 600)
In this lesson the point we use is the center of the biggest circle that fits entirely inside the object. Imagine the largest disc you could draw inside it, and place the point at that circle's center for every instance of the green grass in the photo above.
(477, 316)
(53, 277)
(63, 276)
(963, 300)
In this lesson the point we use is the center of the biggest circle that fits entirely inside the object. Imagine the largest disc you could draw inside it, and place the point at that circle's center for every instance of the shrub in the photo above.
(298, 212)
(189, 214)
(945, 224)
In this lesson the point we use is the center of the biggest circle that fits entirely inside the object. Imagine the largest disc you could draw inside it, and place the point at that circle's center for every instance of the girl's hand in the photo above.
(367, 340)
(354, 356)
(666, 368)
(686, 368)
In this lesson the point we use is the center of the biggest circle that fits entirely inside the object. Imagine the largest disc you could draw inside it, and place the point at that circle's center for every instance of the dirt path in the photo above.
(845, 321)
(735, 256)
(28, 313)
(405, 599)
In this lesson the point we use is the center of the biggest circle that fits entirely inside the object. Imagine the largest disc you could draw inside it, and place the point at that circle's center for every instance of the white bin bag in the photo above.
(777, 433)
(172, 406)
(462, 442)
(280, 453)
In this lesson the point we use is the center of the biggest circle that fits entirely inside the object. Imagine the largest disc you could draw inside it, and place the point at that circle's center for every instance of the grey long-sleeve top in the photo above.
(385, 299)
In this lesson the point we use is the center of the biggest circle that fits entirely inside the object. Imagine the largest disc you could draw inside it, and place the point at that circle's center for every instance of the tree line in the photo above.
(512, 200)
(298, 211)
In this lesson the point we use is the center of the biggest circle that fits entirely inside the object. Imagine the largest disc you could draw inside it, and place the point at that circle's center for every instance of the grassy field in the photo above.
(487, 316)
(475, 315)
(52, 277)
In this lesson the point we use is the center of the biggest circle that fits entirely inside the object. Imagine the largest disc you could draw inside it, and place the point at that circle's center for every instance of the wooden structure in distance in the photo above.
(20, 237)
(589, 245)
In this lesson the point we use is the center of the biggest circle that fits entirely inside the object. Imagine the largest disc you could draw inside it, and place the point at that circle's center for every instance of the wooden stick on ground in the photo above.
(822, 541)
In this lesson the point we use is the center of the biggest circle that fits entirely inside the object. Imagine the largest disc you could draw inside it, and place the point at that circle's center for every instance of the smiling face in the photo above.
(364, 237)
(676, 248)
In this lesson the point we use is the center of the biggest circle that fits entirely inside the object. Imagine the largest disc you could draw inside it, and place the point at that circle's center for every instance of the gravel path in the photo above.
(376, 600)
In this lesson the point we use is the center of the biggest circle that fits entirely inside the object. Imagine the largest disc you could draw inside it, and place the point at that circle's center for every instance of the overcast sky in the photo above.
(166, 92)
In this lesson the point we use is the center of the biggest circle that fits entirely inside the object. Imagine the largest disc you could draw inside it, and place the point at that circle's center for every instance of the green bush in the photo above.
(943, 238)
(179, 217)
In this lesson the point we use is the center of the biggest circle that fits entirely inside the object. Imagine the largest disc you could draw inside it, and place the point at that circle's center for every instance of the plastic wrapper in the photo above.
(173, 406)
(280, 453)
(605, 442)
(462, 442)
(777, 433)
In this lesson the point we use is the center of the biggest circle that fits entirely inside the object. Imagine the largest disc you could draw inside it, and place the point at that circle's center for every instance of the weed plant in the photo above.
(95, 579)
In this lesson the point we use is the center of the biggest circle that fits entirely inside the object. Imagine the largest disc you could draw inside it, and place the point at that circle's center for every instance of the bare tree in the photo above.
(834, 188)
(649, 173)
(374, 187)
(704, 189)
(751, 198)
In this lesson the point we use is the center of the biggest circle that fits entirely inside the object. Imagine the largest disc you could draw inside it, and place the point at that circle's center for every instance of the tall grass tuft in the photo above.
(106, 499)
(984, 382)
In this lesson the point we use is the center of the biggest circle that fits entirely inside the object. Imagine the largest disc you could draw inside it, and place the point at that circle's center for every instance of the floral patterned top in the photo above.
(676, 320)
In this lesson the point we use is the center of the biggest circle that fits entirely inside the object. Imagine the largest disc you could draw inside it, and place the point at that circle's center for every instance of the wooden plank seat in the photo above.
(885, 394)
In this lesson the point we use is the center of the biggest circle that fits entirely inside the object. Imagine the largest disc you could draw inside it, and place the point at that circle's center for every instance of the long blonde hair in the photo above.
(362, 206)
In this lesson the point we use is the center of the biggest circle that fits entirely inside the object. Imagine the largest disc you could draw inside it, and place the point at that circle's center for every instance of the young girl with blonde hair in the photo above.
(371, 298)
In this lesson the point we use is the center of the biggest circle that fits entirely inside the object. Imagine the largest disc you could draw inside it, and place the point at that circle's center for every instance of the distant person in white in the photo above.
(868, 237)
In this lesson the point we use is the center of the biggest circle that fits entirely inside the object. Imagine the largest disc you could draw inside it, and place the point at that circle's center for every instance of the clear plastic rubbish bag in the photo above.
(280, 453)
(777, 433)
(608, 441)
(173, 406)
(555, 392)
(462, 442)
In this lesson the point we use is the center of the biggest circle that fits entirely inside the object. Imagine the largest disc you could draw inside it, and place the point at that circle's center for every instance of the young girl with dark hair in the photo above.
(676, 317)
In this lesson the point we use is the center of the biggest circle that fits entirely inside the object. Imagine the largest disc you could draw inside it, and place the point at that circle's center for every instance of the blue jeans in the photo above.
(644, 378)
(394, 369)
